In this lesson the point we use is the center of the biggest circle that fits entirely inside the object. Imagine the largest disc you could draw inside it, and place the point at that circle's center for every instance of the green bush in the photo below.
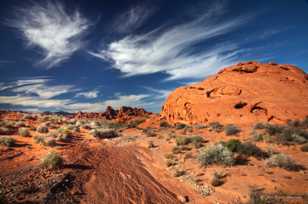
(24, 132)
(39, 139)
(149, 132)
(135, 123)
(7, 141)
(231, 129)
(196, 140)
(42, 128)
(180, 126)
(182, 140)
(216, 126)
(246, 148)
(283, 161)
(46, 141)
(52, 160)
(164, 124)
(179, 173)
(280, 134)
(104, 133)
(217, 153)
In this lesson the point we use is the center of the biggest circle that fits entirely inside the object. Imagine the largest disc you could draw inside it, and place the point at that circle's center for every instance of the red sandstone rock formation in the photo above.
(246, 92)
(124, 113)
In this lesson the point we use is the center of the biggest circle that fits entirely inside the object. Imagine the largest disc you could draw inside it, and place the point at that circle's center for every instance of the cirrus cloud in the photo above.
(51, 28)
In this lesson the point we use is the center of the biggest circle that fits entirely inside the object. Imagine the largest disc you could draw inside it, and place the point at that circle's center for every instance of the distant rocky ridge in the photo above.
(245, 92)
(123, 113)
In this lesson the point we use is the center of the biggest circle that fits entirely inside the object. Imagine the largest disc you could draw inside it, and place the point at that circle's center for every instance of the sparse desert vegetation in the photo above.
(52, 160)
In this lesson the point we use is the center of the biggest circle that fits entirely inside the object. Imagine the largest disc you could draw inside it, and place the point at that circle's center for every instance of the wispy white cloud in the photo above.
(40, 94)
(49, 26)
(88, 94)
(26, 102)
(37, 87)
(132, 18)
(174, 50)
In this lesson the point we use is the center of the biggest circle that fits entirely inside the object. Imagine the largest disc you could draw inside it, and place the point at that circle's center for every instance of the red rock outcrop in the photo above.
(245, 92)
(124, 113)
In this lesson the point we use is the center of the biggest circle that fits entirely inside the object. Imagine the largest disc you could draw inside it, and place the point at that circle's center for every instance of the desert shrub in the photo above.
(7, 141)
(53, 134)
(39, 139)
(217, 179)
(199, 126)
(94, 124)
(27, 117)
(20, 124)
(151, 144)
(72, 127)
(216, 126)
(304, 148)
(7, 130)
(42, 128)
(180, 149)
(231, 129)
(104, 133)
(182, 140)
(217, 153)
(283, 161)
(117, 125)
(149, 132)
(164, 124)
(50, 142)
(171, 162)
(299, 123)
(197, 141)
(179, 173)
(247, 148)
(258, 197)
(259, 126)
(52, 160)
(180, 126)
(280, 134)
(24, 132)
(135, 123)
(46, 141)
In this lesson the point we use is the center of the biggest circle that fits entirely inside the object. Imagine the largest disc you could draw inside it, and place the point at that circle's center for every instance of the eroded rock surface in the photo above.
(245, 92)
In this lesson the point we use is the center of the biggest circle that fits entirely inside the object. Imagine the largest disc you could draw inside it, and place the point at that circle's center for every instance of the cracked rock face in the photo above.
(242, 93)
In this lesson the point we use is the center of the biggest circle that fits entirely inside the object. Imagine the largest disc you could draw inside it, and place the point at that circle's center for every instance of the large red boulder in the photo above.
(245, 92)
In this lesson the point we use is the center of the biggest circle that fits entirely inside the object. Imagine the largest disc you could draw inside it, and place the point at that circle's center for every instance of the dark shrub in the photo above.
(135, 123)
(283, 161)
(217, 153)
(182, 140)
(7, 141)
(164, 124)
(247, 149)
(52, 160)
(216, 126)
(304, 148)
(180, 126)
(231, 129)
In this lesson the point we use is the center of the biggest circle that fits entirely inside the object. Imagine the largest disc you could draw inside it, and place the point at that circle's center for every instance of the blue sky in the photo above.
(84, 55)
